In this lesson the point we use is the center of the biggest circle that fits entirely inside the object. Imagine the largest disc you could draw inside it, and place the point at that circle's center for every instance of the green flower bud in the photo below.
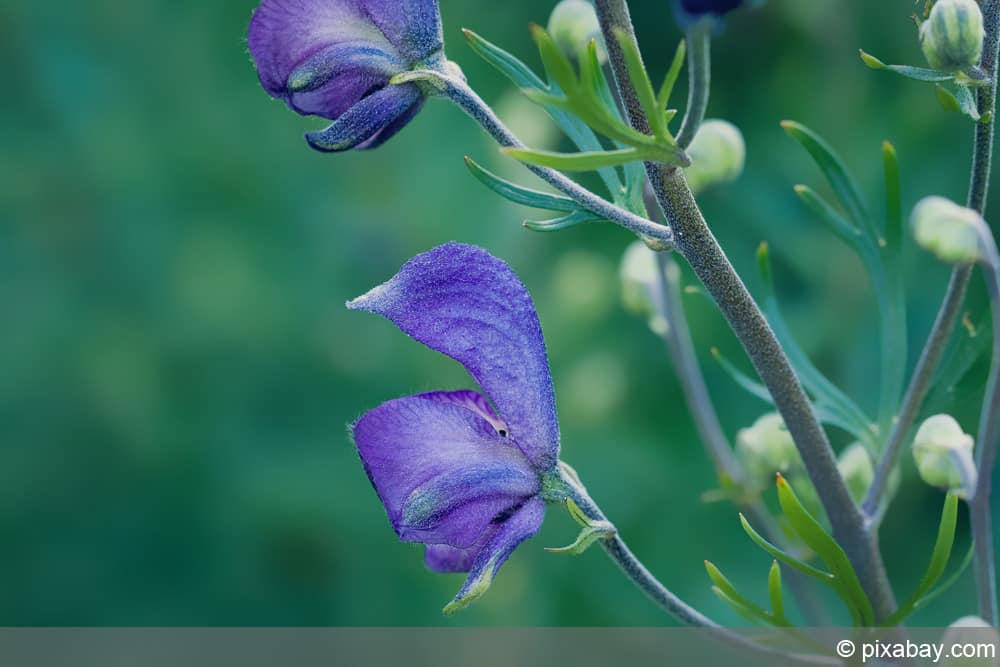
(952, 37)
(969, 631)
(638, 276)
(573, 24)
(855, 466)
(950, 231)
(943, 453)
(767, 448)
(717, 154)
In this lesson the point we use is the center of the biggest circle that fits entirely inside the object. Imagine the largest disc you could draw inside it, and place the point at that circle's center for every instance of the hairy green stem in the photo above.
(954, 297)
(699, 247)
(699, 60)
(469, 101)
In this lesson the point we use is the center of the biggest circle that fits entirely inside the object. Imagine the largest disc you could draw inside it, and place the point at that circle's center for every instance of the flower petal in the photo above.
(363, 121)
(413, 26)
(441, 470)
(471, 400)
(462, 301)
(390, 130)
(283, 34)
(522, 524)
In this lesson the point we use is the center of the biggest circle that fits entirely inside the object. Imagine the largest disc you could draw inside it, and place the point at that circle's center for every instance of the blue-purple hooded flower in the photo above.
(334, 59)
(461, 471)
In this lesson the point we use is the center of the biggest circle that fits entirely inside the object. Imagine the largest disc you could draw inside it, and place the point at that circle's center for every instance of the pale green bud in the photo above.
(952, 37)
(767, 448)
(950, 231)
(717, 154)
(943, 454)
(856, 467)
(638, 276)
(970, 633)
(573, 24)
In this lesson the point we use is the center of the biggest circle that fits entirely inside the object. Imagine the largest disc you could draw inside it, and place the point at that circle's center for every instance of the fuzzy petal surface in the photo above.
(462, 301)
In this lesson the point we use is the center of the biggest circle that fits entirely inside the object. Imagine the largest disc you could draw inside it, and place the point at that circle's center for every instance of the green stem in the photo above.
(699, 247)
(699, 57)
(954, 297)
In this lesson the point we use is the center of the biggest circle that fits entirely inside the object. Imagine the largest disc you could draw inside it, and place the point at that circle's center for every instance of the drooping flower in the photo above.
(463, 472)
(334, 59)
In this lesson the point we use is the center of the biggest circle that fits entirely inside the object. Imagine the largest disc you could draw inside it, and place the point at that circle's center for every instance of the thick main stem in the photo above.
(699, 247)
(954, 297)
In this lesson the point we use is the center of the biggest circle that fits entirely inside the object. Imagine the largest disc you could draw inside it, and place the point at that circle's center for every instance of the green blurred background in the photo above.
(177, 369)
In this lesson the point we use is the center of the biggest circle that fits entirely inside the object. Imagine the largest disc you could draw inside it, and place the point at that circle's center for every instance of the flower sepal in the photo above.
(593, 531)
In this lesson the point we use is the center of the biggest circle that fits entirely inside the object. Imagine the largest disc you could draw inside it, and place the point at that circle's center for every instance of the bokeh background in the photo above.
(177, 369)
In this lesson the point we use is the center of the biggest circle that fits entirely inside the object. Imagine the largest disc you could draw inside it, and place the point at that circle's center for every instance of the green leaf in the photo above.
(558, 224)
(915, 73)
(775, 593)
(817, 539)
(967, 102)
(519, 194)
(947, 99)
(667, 88)
(509, 65)
(742, 379)
(522, 76)
(728, 593)
(835, 172)
(556, 63)
(829, 216)
(939, 560)
(783, 556)
(950, 581)
(578, 161)
(893, 199)
(640, 82)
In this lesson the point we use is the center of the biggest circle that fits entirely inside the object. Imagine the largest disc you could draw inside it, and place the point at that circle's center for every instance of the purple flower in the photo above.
(465, 473)
(334, 58)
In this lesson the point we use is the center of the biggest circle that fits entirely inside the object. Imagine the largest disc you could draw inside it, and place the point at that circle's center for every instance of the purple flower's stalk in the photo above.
(947, 315)
(469, 101)
(989, 422)
(699, 61)
(697, 244)
(637, 573)
(667, 301)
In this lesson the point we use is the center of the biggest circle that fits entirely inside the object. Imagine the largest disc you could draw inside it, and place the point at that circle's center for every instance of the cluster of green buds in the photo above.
(943, 454)
(639, 281)
(766, 448)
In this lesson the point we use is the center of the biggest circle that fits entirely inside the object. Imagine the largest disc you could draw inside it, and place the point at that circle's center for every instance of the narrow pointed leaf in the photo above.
(835, 172)
(522, 76)
(817, 539)
(783, 556)
(558, 224)
(728, 593)
(520, 194)
(915, 73)
(893, 199)
(939, 560)
(967, 102)
(829, 216)
(742, 379)
(577, 161)
(947, 99)
(640, 82)
(667, 88)
(949, 581)
(775, 593)
(557, 65)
